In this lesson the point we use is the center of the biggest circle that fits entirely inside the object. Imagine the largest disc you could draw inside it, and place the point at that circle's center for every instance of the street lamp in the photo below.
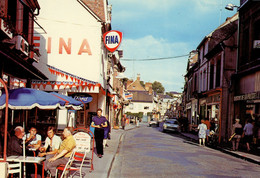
(230, 7)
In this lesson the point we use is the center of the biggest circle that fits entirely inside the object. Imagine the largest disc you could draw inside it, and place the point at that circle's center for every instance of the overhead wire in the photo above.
(153, 59)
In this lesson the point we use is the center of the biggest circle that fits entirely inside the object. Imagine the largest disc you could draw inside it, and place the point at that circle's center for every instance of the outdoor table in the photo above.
(28, 159)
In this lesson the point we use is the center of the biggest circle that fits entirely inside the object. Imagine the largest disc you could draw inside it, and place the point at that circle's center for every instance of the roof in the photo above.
(228, 20)
(141, 96)
(135, 86)
(97, 7)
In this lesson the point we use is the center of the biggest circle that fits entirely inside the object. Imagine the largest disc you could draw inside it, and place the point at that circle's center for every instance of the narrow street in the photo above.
(147, 152)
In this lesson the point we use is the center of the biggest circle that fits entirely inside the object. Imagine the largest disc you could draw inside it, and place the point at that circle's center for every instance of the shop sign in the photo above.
(5, 28)
(256, 44)
(22, 45)
(188, 106)
(249, 96)
(112, 40)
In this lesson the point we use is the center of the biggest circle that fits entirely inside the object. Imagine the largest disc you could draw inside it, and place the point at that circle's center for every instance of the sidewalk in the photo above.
(103, 165)
(254, 158)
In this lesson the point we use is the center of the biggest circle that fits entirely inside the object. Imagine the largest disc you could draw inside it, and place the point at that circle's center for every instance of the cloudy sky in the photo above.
(162, 29)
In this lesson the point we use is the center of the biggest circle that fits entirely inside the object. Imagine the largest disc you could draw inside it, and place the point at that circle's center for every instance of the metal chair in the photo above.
(15, 168)
(78, 157)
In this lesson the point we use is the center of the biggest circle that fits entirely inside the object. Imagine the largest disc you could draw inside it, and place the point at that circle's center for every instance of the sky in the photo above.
(163, 29)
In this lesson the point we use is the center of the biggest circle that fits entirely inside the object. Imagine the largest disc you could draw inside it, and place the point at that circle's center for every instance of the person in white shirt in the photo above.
(52, 142)
(33, 139)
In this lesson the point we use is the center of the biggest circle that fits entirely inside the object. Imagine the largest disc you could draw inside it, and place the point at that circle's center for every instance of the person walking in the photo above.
(123, 121)
(237, 131)
(207, 123)
(248, 133)
(99, 122)
(106, 134)
(202, 132)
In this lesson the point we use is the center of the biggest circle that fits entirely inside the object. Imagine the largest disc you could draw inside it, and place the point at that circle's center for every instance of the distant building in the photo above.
(142, 98)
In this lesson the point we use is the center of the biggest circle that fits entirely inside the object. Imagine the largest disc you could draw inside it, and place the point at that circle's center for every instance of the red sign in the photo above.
(112, 40)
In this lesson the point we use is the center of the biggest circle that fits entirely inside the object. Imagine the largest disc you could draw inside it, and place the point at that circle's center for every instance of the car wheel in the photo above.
(163, 130)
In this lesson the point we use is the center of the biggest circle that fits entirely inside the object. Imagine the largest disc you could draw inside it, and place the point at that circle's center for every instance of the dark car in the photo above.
(171, 125)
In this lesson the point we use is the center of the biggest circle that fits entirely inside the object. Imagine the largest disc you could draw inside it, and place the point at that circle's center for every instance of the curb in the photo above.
(117, 150)
(227, 151)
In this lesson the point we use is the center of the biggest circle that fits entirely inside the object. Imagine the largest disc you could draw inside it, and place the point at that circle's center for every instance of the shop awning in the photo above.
(18, 67)
(28, 98)
(70, 102)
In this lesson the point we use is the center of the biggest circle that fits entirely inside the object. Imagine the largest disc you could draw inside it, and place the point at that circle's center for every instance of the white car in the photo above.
(171, 125)
(153, 122)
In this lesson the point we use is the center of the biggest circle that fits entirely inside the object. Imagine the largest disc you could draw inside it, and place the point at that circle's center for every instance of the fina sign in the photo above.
(112, 40)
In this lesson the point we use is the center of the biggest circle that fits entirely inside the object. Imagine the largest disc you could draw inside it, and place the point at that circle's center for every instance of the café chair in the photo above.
(15, 168)
(78, 157)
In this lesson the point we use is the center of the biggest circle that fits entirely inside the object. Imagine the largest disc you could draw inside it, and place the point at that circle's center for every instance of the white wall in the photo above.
(68, 20)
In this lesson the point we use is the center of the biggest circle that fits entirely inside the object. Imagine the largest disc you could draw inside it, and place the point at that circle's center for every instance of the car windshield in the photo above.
(172, 122)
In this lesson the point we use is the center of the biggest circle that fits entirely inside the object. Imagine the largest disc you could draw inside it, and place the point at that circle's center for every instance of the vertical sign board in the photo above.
(83, 141)
(112, 40)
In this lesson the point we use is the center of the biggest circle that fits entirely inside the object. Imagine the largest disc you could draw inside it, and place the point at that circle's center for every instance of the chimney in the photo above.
(138, 77)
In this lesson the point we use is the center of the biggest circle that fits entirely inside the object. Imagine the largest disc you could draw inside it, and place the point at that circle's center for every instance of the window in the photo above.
(218, 73)
(11, 11)
(26, 22)
(245, 49)
(256, 40)
(211, 80)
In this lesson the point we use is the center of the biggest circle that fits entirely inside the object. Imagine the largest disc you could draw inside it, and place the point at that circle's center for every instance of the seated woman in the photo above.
(33, 140)
(52, 142)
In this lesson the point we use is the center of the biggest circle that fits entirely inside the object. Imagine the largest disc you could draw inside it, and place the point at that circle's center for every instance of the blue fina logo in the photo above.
(112, 39)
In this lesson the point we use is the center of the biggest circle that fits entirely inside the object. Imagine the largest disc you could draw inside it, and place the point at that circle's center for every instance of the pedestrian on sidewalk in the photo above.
(248, 133)
(237, 131)
(99, 122)
(123, 121)
(106, 133)
(202, 132)
(207, 123)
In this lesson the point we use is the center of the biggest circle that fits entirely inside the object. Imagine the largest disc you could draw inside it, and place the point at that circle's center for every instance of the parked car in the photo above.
(171, 125)
(153, 121)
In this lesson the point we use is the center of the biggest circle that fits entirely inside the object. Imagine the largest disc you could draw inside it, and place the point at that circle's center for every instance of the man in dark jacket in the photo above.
(15, 143)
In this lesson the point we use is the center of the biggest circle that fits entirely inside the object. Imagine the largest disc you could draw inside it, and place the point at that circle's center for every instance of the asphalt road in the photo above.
(147, 152)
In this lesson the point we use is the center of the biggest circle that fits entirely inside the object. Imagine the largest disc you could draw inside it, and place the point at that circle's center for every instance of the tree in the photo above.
(157, 87)
(142, 83)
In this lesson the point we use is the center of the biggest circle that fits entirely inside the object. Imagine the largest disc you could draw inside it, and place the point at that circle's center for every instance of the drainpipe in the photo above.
(6, 118)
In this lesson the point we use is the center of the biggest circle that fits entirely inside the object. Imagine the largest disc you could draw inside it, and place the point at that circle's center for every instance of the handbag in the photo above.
(108, 136)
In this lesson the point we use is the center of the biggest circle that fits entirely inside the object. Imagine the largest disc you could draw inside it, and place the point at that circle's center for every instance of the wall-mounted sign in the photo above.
(257, 44)
(5, 28)
(112, 40)
(84, 97)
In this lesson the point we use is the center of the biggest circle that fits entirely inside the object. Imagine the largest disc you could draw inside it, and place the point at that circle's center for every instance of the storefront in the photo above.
(247, 106)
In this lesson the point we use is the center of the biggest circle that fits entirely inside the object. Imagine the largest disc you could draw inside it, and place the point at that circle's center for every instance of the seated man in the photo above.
(63, 154)
(52, 142)
(15, 143)
(33, 139)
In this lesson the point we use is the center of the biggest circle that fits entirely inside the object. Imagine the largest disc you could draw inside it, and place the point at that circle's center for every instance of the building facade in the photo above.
(74, 57)
(247, 78)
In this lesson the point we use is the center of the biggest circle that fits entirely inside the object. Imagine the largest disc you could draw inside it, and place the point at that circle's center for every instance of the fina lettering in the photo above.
(112, 39)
